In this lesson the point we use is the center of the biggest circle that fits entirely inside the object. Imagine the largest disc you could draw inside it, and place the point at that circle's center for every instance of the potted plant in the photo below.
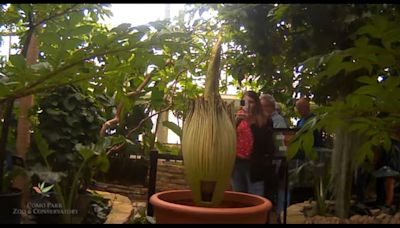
(208, 148)
(74, 199)
(10, 198)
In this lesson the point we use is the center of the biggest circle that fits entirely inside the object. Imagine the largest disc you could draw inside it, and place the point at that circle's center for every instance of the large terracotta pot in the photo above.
(177, 207)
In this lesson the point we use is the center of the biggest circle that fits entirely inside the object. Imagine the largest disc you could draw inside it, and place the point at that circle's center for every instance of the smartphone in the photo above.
(244, 105)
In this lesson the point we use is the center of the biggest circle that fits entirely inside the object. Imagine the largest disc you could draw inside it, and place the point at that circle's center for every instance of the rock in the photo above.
(296, 215)
(386, 220)
(355, 218)
(381, 216)
(375, 212)
(397, 216)
(395, 219)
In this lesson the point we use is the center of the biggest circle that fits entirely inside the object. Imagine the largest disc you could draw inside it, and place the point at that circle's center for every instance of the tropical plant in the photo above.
(139, 217)
(92, 159)
(65, 117)
(314, 173)
(209, 163)
(29, 21)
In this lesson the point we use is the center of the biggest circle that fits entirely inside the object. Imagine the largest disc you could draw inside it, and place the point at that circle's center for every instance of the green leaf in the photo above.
(4, 89)
(18, 61)
(100, 39)
(75, 18)
(358, 127)
(380, 22)
(391, 37)
(85, 152)
(365, 152)
(158, 25)
(50, 38)
(387, 143)
(142, 28)
(367, 90)
(117, 139)
(72, 43)
(42, 145)
(151, 220)
(293, 148)
(367, 80)
(54, 138)
(361, 42)
(82, 30)
(333, 66)
(173, 127)
(278, 12)
(90, 118)
(48, 188)
(307, 143)
(69, 104)
(161, 147)
(157, 98)
(122, 28)
(41, 185)
(158, 60)
(366, 102)
(71, 120)
(386, 59)
(102, 162)
(54, 112)
(94, 16)
(367, 29)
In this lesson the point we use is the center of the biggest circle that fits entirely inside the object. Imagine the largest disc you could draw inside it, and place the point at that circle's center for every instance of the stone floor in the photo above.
(121, 207)
(295, 216)
(295, 213)
(128, 200)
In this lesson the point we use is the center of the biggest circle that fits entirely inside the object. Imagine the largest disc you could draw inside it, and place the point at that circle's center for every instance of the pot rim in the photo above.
(264, 204)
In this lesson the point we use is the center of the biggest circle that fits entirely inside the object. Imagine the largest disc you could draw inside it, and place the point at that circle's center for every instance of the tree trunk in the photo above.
(162, 131)
(25, 103)
(23, 139)
(343, 165)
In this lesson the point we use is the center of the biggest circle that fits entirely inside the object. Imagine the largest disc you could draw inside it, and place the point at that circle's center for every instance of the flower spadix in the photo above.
(209, 140)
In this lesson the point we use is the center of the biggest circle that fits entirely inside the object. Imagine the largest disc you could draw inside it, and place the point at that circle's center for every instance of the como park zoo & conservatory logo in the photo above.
(44, 204)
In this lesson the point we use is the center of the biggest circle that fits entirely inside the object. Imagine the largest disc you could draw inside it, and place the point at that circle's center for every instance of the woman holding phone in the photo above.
(254, 142)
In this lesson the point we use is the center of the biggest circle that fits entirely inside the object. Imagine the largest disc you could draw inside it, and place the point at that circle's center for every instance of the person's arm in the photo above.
(239, 116)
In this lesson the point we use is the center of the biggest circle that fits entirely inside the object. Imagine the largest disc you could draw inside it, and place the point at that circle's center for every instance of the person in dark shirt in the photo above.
(250, 168)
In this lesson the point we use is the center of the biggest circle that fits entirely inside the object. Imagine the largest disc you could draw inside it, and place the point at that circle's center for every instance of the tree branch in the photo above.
(145, 119)
(29, 88)
(112, 121)
(140, 87)
(51, 87)
(8, 33)
(66, 11)
(120, 146)
(115, 120)
(117, 116)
